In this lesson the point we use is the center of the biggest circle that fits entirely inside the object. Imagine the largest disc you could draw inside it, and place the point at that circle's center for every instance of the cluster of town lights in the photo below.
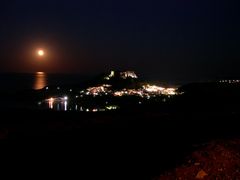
(230, 81)
(144, 91)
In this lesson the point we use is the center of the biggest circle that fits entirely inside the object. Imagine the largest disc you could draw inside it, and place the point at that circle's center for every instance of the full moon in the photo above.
(40, 52)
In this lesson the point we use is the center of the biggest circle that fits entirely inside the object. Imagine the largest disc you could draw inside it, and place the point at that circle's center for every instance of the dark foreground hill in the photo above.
(139, 142)
(119, 145)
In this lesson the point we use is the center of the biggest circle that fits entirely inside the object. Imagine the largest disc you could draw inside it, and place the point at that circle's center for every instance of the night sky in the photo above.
(171, 40)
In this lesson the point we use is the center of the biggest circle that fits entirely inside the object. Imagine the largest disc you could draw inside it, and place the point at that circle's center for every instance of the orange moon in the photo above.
(40, 52)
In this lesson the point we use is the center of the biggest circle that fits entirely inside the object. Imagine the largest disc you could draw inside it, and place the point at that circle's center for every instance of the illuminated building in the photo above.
(128, 74)
(123, 75)
(112, 74)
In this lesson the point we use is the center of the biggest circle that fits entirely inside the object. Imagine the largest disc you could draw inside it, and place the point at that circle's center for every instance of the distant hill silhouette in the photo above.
(213, 96)
(117, 79)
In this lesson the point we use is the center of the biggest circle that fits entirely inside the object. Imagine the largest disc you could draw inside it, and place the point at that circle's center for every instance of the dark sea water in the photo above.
(21, 81)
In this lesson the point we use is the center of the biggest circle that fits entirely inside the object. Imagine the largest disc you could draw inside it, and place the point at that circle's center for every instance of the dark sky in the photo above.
(171, 39)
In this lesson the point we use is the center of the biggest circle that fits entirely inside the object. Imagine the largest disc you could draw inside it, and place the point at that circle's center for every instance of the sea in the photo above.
(38, 80)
